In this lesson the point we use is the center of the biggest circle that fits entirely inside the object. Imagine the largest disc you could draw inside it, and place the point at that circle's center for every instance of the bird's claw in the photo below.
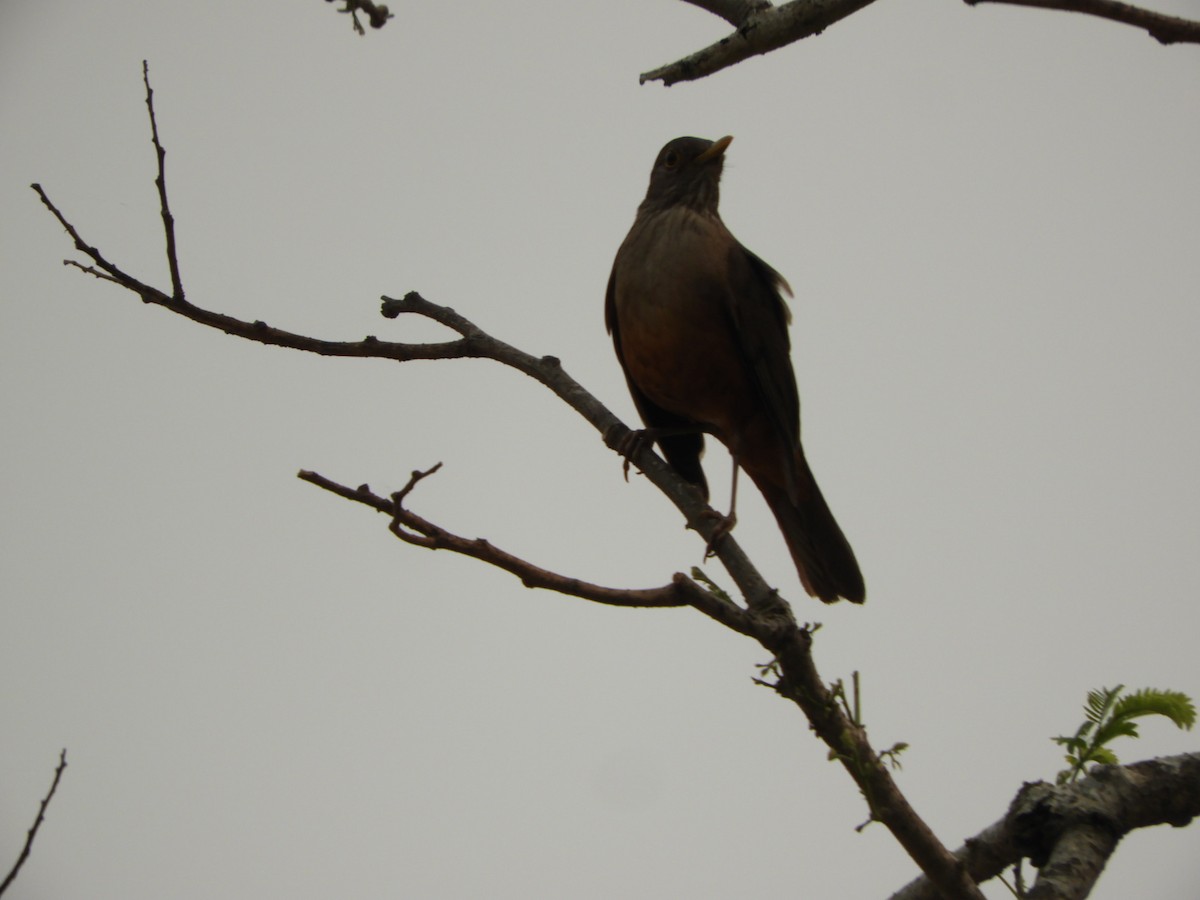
(629, 444)
(723, 527)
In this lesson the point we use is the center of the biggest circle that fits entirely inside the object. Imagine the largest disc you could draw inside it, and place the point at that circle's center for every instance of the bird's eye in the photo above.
(671, 160)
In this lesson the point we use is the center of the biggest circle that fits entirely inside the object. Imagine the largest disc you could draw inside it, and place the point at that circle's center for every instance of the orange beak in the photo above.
(716, 150)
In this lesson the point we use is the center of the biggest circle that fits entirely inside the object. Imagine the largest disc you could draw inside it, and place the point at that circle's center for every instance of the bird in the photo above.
(700, 328)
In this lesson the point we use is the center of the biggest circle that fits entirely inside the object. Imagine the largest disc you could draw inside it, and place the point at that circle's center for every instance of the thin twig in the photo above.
(111, 272)
(37, 823)
(160, 182)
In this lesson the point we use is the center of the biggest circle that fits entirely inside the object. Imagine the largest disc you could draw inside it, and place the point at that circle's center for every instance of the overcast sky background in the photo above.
(991, 218)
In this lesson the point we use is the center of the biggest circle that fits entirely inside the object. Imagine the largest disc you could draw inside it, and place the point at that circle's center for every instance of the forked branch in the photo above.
(418, 531)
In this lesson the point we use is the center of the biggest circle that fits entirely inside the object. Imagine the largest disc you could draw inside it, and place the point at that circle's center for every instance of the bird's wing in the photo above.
(760, 319)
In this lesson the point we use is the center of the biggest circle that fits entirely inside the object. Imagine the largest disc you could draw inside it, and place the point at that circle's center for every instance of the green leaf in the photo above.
(1174, 705)
(1114, 728)
(1110, 715)
(1100, 702)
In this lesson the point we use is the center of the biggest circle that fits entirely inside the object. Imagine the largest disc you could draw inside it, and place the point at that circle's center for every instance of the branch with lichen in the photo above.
(1068, 831)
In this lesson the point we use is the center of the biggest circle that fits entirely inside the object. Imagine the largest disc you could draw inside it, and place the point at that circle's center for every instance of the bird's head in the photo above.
(687, 172)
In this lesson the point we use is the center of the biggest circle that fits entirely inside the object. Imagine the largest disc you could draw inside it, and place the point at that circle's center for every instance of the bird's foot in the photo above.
(723, 527)
(631, 443)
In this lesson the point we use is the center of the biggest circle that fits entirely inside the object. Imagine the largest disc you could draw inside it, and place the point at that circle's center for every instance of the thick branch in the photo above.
(1075, 863)
(1070, 830)
(1163, 28)
(760, 28)
(37, 823)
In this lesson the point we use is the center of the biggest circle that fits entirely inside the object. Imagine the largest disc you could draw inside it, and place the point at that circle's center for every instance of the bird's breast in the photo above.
(672, 304)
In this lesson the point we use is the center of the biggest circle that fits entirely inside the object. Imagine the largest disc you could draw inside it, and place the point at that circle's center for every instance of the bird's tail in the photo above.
(827, 567)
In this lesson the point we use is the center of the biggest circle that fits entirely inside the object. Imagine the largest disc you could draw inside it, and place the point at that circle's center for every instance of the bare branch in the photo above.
(1070, 830)
(414, 529)
(1163, 28)
(759, 29)
(111, 272)
(37, 823)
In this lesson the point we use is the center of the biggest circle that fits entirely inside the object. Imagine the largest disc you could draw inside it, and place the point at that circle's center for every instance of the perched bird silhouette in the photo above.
(700, 329)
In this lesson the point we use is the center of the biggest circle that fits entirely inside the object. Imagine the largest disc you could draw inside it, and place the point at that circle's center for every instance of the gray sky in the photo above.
(990, 217)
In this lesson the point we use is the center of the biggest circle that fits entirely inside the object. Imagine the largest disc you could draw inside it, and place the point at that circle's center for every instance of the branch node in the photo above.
(414, 477)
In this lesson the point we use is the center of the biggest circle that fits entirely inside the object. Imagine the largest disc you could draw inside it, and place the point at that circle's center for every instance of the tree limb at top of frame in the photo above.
(761, 27)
